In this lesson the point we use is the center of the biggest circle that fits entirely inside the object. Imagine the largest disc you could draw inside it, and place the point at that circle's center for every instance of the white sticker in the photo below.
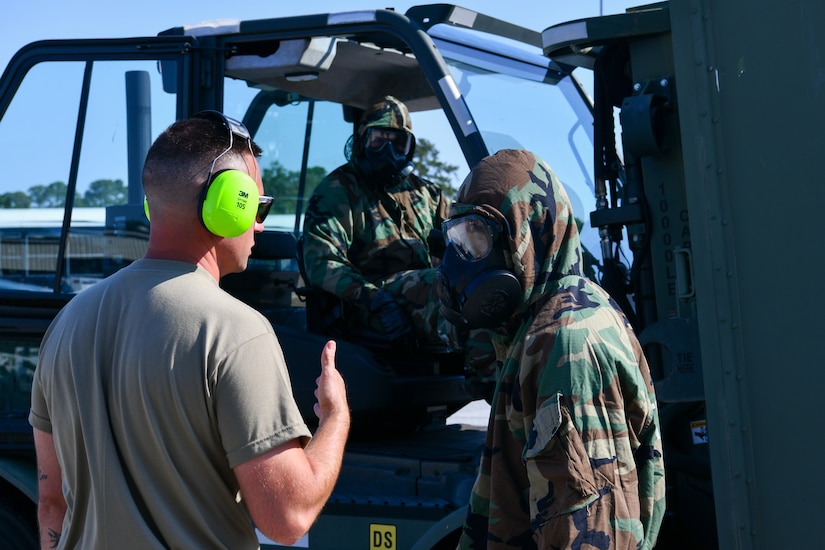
(699, 431)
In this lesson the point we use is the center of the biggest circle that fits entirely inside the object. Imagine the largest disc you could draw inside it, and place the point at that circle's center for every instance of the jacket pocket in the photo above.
(558, 467)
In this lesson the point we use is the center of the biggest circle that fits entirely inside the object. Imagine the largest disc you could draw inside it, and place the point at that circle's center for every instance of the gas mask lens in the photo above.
(400, 140)
(472, 236)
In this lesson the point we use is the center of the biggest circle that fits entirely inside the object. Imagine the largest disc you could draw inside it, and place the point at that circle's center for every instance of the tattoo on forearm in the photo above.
(54, 538)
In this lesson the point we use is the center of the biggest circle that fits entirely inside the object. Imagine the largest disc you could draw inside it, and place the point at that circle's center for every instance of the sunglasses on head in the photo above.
(264, 204)
(235, 128)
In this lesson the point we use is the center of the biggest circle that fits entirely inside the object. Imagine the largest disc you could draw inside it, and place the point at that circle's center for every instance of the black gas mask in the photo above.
(387, 153)
(474, 286)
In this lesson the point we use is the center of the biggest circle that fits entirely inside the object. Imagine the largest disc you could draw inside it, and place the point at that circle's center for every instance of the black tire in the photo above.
(18, 524)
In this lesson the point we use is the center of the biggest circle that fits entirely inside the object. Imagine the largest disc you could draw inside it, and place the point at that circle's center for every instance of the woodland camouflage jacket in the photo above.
(573, 456)
(356, 233)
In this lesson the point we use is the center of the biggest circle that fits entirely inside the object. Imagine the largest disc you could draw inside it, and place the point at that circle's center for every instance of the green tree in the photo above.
(283, 185)
(46, 196)
(278, 182)
(104, 193)
(430, 167)
(15, 199)
(314, 177)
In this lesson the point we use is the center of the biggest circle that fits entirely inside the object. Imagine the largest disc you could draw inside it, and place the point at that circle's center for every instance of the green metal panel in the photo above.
(752, 89)
(652, 67)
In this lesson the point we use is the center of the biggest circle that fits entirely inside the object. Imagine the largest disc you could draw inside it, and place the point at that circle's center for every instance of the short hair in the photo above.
(178, 162)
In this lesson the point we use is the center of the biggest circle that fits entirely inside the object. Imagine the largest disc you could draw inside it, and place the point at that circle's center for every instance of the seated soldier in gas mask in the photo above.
(365, 234)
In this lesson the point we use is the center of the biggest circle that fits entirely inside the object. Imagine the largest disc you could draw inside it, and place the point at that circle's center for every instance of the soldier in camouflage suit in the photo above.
(573, 456)
(366, 228)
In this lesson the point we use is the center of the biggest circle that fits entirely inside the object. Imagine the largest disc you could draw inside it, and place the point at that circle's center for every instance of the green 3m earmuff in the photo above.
(218, 212)
(229, 203)
(229, 200)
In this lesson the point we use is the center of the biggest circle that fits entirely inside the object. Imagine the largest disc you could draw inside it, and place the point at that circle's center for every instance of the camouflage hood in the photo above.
(520, 191)
(387, 113)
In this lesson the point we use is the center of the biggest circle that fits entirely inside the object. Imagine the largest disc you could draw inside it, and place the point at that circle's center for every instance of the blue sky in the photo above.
(30, 20)
(33, 20)
(27, 21)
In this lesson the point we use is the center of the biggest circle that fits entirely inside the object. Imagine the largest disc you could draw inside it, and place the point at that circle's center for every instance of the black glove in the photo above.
(392, 318)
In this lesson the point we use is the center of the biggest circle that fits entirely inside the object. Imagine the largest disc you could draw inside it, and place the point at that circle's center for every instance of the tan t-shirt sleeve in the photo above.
(254, 404)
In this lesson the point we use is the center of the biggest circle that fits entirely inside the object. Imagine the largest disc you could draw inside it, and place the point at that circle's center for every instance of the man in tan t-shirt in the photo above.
(158, 398)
